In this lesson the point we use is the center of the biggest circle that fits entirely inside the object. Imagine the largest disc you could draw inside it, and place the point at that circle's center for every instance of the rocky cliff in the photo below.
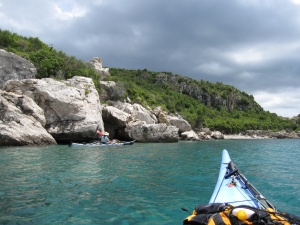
(22, 121)
(204, 92)
(134, 122)
(72, 108)
(14, 67)
(47, 111)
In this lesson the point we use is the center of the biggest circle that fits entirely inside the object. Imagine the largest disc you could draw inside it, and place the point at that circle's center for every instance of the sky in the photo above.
(253, 45)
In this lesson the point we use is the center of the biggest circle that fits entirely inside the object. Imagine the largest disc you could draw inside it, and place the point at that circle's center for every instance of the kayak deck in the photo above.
(232, 187)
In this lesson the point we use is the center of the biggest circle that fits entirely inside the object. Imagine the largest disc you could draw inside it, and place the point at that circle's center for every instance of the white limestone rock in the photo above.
(72, 108)
(22, 121)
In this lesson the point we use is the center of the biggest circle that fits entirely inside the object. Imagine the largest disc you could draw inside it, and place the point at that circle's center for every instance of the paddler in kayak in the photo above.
(104, 138)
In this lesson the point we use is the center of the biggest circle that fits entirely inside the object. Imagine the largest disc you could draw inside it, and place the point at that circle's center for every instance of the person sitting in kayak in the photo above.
(104, 138)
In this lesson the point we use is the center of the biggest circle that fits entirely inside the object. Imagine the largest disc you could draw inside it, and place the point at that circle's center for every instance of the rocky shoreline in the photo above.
(261, 134)
(249, 134)
(47, 111)
(239, 137)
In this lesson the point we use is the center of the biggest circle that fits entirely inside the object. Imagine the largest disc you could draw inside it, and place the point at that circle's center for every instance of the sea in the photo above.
(145, 184)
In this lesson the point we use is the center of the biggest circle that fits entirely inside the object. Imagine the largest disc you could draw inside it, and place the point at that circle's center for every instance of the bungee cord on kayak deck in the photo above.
(252, 197)
(235, 201)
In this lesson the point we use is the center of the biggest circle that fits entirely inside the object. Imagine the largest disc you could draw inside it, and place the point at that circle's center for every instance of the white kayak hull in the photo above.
(98, 144)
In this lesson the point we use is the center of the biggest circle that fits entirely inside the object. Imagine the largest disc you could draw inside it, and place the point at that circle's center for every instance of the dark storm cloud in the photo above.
(253, 45)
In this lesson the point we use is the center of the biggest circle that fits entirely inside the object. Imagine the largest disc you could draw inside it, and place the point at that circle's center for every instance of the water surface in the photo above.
(138, 184)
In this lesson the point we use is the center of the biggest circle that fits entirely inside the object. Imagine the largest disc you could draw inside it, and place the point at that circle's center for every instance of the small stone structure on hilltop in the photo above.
(96, 63)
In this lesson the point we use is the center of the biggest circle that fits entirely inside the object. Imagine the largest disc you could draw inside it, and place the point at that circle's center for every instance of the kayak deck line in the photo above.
(241, 189)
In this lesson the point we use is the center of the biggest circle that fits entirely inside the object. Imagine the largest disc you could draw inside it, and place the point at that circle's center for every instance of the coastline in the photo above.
(239, 136)
(207, 134)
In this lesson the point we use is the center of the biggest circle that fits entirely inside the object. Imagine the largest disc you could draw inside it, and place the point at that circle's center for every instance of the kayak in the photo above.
(233, 187)
(99, 144)
(236, 201)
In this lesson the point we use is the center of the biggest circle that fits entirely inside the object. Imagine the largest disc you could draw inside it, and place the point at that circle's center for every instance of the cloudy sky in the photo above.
(253, 45)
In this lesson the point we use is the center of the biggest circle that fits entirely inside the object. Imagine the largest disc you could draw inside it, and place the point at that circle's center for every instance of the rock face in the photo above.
(136, 111)
(233, 99)
(133, 121)
(107, 88)
(111, 91)
(72, 108)
(114, 119)
(13, 67)
(190, 136)
(143, 132)
(22, 121)
(217, 135)
(177, 121)
(182, 124)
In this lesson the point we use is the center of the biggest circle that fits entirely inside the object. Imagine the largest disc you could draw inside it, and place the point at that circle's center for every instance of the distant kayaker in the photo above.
(104, 138)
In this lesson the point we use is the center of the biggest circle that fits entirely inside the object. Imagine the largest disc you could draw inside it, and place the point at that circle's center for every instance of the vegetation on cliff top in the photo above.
(48, 61)
(202, 103)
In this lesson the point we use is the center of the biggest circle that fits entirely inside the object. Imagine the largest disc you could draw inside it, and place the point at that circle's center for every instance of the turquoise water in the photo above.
(139, 184)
